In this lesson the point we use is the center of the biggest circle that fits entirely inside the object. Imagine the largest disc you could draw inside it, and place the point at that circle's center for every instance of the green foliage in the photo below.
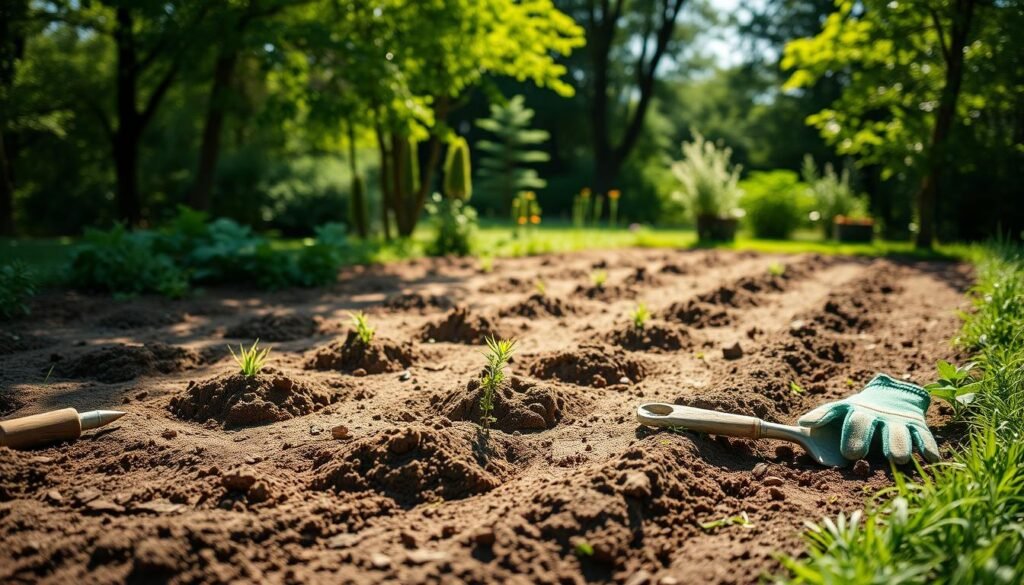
(363, 329)
(776, 203)
(455, 223)
(505, 166)
(497, 355)
(959, 521)
(251, 360)
(598, 278)
(17, 287)
(708, 182)
(776, 269)
(832, 195)
(956, 386)
(192, 250)
(640, 315)
(540, 286)
(458, 180)
(740, 519)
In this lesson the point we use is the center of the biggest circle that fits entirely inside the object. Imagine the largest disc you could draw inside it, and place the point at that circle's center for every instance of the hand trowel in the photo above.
(822, 444)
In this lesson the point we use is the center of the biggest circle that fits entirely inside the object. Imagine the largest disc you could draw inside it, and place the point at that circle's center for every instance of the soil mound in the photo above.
(507, 285)
(417, 302)
(590, 365)
(697, 314)
(137, 318)
(378, 357)
(605, 292)
(844, 314)
(461, 326)
(237, 401)
(8, 403)
(11, 342)
(642, 277)
(538, 305)
(673, 268)
(654, 336)
(275, 327)
(120, 363)
(519, 405)
(21, 474)
(419, 463)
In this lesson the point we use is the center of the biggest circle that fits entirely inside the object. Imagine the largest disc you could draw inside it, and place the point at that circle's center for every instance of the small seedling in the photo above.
(776, 269)
(956, 386)
(486, 264)
(48, 373)
(250, 360)
(498, 353)
(542, 288)
(362, 324)
(599, 277)
(795, 388)
(850, 383)
(740, 519)
(584, 549)
(640, 315)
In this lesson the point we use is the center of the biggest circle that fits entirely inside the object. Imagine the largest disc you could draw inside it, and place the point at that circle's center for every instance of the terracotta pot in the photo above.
(711, 228)
(848, 230)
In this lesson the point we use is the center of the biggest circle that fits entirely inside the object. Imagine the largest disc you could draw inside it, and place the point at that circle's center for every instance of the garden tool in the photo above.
(50, 427)
(833, 434)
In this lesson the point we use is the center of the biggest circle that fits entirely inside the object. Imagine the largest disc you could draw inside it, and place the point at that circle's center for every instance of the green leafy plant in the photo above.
(362, 326)
(498, 354)
(454, 222)
(504, 169)
(776, 203)
(458, 179)
(832, 194)
(795, 388)
(776, 269)
(708, 182)
(486, 264)
(540, 286)
(640, 315)
(582, 548)
(598, 278)
(956, 385)
(17, 286)
(740, 519)
(250, 360)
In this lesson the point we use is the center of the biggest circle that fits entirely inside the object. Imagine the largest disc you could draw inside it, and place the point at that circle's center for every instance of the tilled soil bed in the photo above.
(355, 464)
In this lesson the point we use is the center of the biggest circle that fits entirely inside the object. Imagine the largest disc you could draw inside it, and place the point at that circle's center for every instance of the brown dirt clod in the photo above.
(590, 365)
(461, 326)
(654, 336)
(519, 405)
(538, 305)
(275, 327)
(120, 363)
(352, 355)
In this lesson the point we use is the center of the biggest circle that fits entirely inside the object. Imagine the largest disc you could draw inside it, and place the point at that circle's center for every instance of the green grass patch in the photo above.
(962, 520)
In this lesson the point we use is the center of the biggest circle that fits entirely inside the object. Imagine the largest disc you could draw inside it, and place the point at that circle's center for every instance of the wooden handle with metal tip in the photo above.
(40, 429)
(700, 420)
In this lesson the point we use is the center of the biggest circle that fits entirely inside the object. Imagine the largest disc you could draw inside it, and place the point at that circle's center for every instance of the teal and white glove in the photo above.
(896, 408)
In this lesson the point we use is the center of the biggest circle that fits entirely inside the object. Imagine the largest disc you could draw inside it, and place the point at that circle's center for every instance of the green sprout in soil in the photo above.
(776, 269)
(497, 354)
(795, 388)
(740, 519)
(486, 264)
(541, 286)
(250, 360)
(957, 386)
(599, 277)
(640, 315)
(584, 549)
(362, 324)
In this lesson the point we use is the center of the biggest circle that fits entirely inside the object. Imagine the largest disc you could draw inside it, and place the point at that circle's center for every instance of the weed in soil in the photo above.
(419, 463)
(461, 326)
(251, 360)
(354, 356)
(237, 400)
(591, 365)
(517, 405)
(276, 327)
(499, 352)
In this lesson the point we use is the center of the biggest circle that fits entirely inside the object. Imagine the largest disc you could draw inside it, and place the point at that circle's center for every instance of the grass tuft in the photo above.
(250, 360)
(598, 278)
(640, 315)
(361, 322)
(498, 354)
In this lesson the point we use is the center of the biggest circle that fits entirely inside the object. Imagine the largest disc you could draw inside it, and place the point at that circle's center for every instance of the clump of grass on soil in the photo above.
(363, 329)
(598, 278)
(498, 353)
(251, 360)
(960, 521)
(640, 315)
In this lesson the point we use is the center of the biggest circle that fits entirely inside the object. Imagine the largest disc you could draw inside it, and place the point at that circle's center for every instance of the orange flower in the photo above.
(614, 194)
(522, 220)
(534, 219)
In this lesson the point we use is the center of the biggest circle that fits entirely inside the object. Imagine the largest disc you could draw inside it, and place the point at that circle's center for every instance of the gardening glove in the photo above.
(896, 407)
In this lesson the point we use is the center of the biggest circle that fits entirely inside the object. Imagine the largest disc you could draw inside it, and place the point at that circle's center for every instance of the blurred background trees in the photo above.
(287, 114)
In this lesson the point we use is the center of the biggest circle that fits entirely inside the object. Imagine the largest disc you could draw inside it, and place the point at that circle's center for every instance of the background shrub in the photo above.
(17, 286)
(708, 181)
(776, 203)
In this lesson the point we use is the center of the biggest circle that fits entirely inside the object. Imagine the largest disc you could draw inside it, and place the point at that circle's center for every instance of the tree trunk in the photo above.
(385, 188)
(126, 137)
(927, 195)
(358, 201)
(209, 150)
(6, 191)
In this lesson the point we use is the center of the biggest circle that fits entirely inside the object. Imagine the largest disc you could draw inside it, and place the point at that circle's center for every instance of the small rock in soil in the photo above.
(862, 468)
(733, 352)
(772, 480)
(784, 452)
(776, 494)
(759, 469)
(340, 432)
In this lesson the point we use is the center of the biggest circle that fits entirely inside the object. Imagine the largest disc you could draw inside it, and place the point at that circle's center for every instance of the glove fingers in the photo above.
(925, 443)
(858, 430)
(823, 415)
(896, 442)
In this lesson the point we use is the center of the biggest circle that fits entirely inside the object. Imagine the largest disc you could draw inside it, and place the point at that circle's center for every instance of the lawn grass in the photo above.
(962, 520)
(49, 257)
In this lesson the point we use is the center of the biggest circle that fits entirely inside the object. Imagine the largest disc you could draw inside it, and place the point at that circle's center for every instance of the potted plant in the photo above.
(709, 189)
(843, 213)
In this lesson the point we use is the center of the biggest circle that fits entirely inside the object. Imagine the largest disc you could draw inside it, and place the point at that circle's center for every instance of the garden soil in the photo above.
(330, 467)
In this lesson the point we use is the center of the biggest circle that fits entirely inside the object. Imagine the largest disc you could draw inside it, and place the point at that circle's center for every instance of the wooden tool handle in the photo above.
(700, 420)
(40, 429)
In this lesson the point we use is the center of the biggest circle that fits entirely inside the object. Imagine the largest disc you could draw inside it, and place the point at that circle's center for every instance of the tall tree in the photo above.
(649, 25)
(504, 169)
(13, 15)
